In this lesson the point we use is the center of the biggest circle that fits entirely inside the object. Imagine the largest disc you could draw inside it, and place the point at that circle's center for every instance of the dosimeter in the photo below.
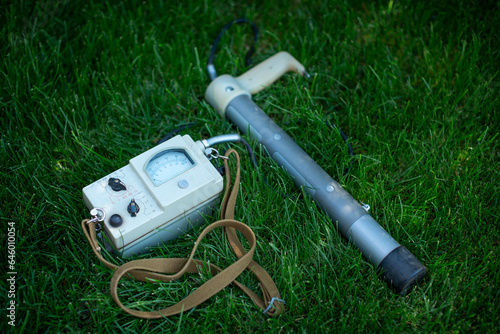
(159, 195)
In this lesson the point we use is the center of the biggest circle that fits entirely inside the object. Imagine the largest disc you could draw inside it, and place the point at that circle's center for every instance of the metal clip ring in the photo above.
(97, 214)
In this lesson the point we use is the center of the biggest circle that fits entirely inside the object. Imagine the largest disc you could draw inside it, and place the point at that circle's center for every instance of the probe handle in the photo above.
(268, 71)
(225, 87)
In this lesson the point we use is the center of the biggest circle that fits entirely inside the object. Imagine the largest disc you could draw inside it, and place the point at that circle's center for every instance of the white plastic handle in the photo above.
(270, 70)
(225, 87)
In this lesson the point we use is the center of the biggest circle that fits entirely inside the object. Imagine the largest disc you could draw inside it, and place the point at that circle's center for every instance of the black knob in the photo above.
(133, 208)
(115, 220)
(116, 184)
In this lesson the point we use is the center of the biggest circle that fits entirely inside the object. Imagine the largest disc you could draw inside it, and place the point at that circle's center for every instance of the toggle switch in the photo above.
(133, 208)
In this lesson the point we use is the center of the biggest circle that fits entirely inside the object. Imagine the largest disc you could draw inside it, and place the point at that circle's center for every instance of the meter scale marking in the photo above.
(168, 164)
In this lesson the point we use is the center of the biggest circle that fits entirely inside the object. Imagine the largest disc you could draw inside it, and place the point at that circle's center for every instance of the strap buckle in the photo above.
(271, 302)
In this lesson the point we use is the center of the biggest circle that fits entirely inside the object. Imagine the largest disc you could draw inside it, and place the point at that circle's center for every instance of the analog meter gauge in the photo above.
(168, 164)
(158, 196)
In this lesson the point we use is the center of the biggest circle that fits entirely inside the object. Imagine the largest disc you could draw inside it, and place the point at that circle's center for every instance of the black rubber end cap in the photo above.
(402, 270)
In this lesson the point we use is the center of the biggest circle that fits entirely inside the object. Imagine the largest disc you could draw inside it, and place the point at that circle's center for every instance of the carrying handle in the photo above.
(268, 71)
(225, 88)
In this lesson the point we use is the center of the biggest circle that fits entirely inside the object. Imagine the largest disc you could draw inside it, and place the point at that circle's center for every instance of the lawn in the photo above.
(86, 85)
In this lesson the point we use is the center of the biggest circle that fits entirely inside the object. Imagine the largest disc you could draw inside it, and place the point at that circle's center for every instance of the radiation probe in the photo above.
(232, 98)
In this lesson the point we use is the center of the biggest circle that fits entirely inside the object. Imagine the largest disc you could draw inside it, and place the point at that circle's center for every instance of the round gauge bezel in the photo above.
(174, 174)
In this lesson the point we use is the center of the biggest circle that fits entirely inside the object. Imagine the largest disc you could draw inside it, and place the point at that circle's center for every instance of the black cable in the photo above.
(349, 146)
(175, 131)
(250, 153)
(255, 165)
(212, 73)
(346, 140)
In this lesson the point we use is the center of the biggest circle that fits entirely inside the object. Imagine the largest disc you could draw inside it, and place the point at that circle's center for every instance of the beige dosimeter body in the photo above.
(231, 97)
(158, 196)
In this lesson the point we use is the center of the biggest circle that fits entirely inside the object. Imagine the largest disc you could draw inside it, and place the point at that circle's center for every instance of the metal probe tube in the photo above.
(400, 268)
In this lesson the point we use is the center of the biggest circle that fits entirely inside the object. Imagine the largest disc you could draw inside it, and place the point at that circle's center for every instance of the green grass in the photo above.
(85, 86)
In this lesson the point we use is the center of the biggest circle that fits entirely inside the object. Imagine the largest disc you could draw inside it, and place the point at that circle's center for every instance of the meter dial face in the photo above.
(168, 164)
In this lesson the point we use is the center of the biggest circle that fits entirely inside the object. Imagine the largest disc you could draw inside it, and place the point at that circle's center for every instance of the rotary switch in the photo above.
(116, 184)
(133, 208)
